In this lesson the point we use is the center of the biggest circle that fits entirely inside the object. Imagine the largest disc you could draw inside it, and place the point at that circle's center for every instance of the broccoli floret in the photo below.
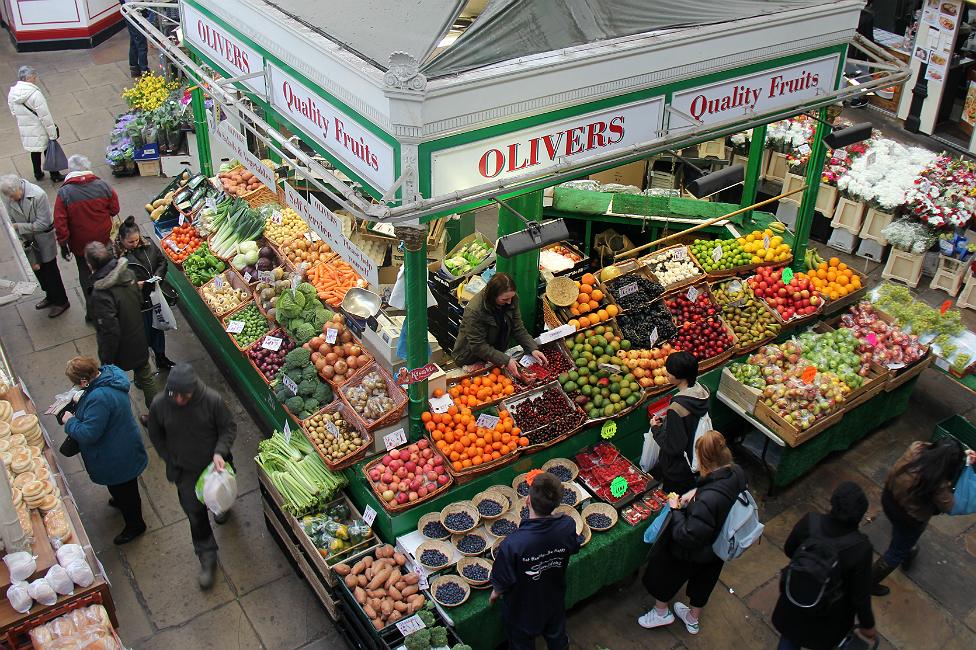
(297, 358)
(323, 393)
(282, 393)
(307, 388)
(311, 405)
(427, 616)
(309, 372)
(461, 646)
(438, 636)
(305, 333)
(419, 640)
(295, 404)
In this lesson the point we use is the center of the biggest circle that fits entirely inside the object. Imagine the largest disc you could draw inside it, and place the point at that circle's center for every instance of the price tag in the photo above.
(218, 282)
(277, 217)
(295, 280)
(692, 294)
(895, 366)
(172, 244)
(871, 339)
(556, 333)
(803, 149)
(628, 289)
(422, 582)
(287, 431)
(945, 307)
(181, 220)
(247, 277)
(265, 276)
(289, 384)
(235, 326)
(611, 368)
(766, 242)
(410, 625)
(272, 343)
(395, 439)
(618, 487)
(679, 253)
(333, 429)
(487, 421)
(735, 287)
(809, 374)
(210, 204)
(787, 275)
(331, 334)
(717, 253)
(441, 404)
(654, 336)
(609, 430)
(369, 516)
(526, 360)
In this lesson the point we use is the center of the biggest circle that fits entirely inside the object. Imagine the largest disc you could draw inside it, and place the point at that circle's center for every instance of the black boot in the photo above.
(879, 572)
(912, 554)
(56, 177)
(163, 362)
(208, 569)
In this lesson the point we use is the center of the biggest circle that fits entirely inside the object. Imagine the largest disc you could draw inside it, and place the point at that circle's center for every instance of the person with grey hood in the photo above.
(190, 426)
(29, 212)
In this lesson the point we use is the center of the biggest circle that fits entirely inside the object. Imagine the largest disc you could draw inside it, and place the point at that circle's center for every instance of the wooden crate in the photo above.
(742, 395)
(149, 167)
(875, 221)
(849, 215)
(792, 182)
(950, 275)
(904, 267)
(909, 372)
(786, 431)
(713, 149)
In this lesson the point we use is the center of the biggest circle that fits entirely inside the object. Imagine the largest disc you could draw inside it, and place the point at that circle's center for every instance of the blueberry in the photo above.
(435, 530)
(449, 593)
(471, 544)
(598, 520)
(561, 472)
(458, 521)
(475, 572)
(525, 512)
(430, 557)
(503, 527)
(489, 508)
(522, 489)
(569, 496)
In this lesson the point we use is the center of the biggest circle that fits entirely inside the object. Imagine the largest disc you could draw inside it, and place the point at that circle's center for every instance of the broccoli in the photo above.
(321, 317)
(297, 358)
(307, 388)
(295, 404)
(427, 616)
(282, 393)
(304, 415)
(309, 372)
(323, 393)
(311, 405)
(461, 646)
(305, 333)
(419, 640)
(438, 636)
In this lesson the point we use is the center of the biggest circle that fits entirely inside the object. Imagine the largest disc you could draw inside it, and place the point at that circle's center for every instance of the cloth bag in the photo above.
(964, 502)
(163, 318)
(217, 490)
(54, 158)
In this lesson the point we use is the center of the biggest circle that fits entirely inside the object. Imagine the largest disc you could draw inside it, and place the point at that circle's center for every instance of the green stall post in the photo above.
(754, 169)
(524, 268)
(804, 218)
(200, 125)
(415, 277)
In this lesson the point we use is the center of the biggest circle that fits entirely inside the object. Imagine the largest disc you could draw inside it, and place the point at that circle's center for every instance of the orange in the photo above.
(583, 298)
(523, 442)
(612, 310)
(457, 466)
(586, 289)
(842, 266)
(575, 323)
(603, 314)
(426, 417)
(438, 392)
(584, 322)
(834, 261)
(594, 305)
(596, 294)
(588, 278)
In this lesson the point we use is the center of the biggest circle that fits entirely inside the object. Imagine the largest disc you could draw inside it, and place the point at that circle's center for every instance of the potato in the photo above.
(411, 579)
(400, 559)
(367, 561)
(370, 612)
(394, 593)
(392, 579)
(400, 584)
(359, 595)
(342, 569)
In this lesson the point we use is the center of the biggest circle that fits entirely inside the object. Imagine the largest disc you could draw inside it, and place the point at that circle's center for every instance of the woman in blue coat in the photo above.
(107, 434)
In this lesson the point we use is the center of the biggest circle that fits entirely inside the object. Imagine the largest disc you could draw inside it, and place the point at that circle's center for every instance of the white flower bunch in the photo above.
(885, 174)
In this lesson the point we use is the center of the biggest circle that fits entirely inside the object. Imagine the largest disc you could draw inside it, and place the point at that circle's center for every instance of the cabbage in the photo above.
(239, 261)
(251, 256)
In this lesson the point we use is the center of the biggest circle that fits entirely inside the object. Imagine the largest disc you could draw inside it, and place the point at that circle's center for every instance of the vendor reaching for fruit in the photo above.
(490, 320)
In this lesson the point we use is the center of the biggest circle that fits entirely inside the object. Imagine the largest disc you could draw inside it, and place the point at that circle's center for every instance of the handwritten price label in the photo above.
(618, 487)
(277, 217)
(766, 242)
(181, 220)
(247, 277)
(556, 333)
(218, 282)
(735, 287)
(289, 384)
(487, 421)
(717, 253)
(526, 360)
(395, 439)
(272, 343)
(331, 334)
(410, 625)
(871, 339)
(235, 326)
(809, 374)
(423, 582)
(369, 516)
(608, 430)
(628, 289)
(287, 431)
(265, 276)
(611, 368)
(679, 253)
(441, 404)
(653, 337)
(333, 429)
(692, 294)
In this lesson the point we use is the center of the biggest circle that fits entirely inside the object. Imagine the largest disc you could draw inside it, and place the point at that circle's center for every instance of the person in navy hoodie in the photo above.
(529, 573)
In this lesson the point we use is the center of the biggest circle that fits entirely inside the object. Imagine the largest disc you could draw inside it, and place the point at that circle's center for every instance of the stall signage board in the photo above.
(761, 92)
(237, 143)
(223, 48)
(341, 135)
(416, 375)
(538, 148)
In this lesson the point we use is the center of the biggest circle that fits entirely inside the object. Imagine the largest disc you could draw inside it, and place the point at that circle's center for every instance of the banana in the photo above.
(777, 227)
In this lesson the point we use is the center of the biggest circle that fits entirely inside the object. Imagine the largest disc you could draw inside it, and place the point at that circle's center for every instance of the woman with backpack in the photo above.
(918, 486)
(684, 553)
(675, 432)
(828, 581)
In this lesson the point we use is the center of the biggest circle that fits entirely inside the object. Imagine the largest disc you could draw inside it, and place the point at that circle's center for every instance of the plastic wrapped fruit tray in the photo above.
(601, 464)
(562, 419)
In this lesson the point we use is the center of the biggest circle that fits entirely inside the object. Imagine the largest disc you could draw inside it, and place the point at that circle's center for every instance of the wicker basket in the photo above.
(165, 247)
(456, 539)
(741, 349)
(653, 258)
(562, 462)
(261, 196)
(587, 535)
(232, 316)
(444, 580)
(396, 393)
(435, 545)
(235, 282)
(354, 455)
(475, 561)
(293, 265)
(638, 271)
(276, 332)
(518, 480)
(467, 474)
(494, 495)
(578, 491)
(509, 517)
(572, 514)
(396, 507)
(431, 517)
(459, 507)
(510, 494)
(600, 508)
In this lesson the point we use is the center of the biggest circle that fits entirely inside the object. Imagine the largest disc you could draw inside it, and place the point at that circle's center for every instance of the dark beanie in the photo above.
(182, 379)
(848, 503)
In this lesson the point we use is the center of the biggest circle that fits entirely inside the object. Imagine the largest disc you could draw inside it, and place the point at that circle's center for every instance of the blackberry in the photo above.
(489, 508)
(458, 521)
(449, 593)
(470, 544)
(522, 489)
(435, 530)
(598, 520)
(503, 527)
(569, 497)
(561, 472)
(475, 573)
(430, 557)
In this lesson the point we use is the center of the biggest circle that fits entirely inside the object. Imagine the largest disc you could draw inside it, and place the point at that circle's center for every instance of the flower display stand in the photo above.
(904, 267)
(826, 199)
(848, 214)
(743, 159)
(967, 298)
(786, 213)
(950, 275)
(792, 182)
(871, 250)
(874, 222)
(778, 167)
(713, 149)
(842, 240)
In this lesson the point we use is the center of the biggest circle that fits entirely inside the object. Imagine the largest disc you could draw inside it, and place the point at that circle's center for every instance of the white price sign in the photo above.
(735, 286)
(289, 384)
(369, 516)
(654, 336)
(410, 625)
(277, 217)
(441, 404)
(265, 276)
(395, 439)
(803, 149)
(487, 421)
(218, 282)
(423, 582)
(272, 343)
(287, 431)
(611, 368)
(333, 429)
(295, 281)
(692, 294)
(556, 333)
(182, 219)
(717, 253)
(235, 326)
(766, 242)
(312, 236)
(247, 277)
(679, 253)
(331, 334)
(628, 289)
(527, 360)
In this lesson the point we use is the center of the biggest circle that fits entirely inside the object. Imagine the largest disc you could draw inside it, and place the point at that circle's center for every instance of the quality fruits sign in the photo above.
(540, 147)
(760, 92)
(223, 48)
(340, 134)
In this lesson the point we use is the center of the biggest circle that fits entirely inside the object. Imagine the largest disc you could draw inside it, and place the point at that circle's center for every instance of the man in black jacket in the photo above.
(827, 625)
(190, 426)
(529, 573)
(115, 307)
(675, 432)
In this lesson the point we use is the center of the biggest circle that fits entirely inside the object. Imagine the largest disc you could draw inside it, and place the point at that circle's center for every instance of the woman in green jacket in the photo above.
(491, 320)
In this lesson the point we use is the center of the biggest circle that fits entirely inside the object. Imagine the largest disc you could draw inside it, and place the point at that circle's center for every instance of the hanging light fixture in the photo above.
(535, 236)
(708, 184)
(844, 137)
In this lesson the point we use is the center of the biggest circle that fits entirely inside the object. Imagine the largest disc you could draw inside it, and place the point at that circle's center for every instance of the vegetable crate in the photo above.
(395, 508)
(904, 267)
(742, 395)
(669, 252)
(232, 316)
(393, 390)
(347, 414)
(228, 279)
(834, 306)
(956, 427)
(789, 433)
(485, 262)
(512, 404)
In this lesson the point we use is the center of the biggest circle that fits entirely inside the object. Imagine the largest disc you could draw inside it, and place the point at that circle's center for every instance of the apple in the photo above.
(411, 466)
(423, 444)
(395, 454)
(442, 479)
(374, 475)
(388, 495)
(401, 498)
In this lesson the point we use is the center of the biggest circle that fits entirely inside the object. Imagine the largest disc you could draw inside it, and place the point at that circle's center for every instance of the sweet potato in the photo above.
(395, 616)
(361, 580)
(394, 593)
(367, 561)
(386, 607)
(358, 568)
(393, 577)
(400, 559)
(370, 612)
(359, 595)
(379, 579)
(377, 624)
(351, 581)
(411, 579)
(342, 569)
(409, 590)
(400, 606)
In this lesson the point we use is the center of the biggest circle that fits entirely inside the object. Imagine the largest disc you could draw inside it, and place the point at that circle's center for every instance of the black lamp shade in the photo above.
(716, 181)
(843, 137)
(534, 237)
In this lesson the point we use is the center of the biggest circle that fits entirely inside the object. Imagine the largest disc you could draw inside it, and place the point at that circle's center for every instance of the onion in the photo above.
(328, 372)
(331, 358)
(341, 367)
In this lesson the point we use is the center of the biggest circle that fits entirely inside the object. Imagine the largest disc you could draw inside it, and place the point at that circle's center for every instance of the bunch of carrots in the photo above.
(332, 280)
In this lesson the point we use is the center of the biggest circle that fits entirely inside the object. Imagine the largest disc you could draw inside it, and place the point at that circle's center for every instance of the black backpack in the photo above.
(812, 580)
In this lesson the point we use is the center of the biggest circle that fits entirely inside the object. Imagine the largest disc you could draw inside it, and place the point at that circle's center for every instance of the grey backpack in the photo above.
(741, 529)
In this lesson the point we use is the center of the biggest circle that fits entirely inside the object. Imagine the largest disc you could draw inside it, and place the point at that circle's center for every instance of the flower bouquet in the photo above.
(943, 194)
(882, 177)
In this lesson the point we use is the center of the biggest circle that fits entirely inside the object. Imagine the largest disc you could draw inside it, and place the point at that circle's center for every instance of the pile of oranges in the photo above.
(588, 310)
(834, 279)
(464, 444)
(483, 389)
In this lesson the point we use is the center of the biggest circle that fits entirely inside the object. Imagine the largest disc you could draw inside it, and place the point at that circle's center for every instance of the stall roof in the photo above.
(505, 29)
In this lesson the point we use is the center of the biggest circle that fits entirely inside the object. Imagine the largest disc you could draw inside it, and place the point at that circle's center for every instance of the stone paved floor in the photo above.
(259, 602)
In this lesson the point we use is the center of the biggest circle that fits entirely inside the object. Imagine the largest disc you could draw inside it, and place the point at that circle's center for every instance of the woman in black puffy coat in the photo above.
(685, 555)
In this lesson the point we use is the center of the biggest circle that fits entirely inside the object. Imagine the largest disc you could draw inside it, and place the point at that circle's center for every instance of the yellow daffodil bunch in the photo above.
(149, 92)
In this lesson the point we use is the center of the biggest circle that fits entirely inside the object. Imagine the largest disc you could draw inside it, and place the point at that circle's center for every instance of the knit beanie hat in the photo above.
(182, 379)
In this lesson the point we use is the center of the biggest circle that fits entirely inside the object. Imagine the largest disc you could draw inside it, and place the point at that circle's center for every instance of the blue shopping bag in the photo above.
(965, 495)
(660, 522)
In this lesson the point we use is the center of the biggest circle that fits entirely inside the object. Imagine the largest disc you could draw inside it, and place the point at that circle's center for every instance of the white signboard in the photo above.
(760, 92)
(540, 147)
(223, 48)
(357, 147)
(237, 143)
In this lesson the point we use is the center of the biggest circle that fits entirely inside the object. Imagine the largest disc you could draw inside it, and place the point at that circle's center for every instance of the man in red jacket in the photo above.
(83, 213)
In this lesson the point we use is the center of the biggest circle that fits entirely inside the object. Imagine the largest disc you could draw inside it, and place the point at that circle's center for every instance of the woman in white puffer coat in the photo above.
(34, 121)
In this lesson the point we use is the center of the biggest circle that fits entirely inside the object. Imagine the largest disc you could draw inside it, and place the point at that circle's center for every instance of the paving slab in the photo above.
(134, 622)
(50, 332)
(224, 628)
(238, 560)
(160, 492)
(105, 73)
(93, 122)
(286, 613)
(103, 522)
(910, 619)
(761, 563)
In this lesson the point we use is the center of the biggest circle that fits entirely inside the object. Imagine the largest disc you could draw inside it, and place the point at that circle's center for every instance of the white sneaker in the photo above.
(653, 619)
(683, 612)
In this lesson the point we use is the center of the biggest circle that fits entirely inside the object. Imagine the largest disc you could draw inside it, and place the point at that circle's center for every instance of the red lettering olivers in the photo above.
(547, 148)
(223, 46)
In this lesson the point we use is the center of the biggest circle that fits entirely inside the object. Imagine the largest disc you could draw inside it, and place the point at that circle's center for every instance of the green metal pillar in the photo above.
(202, 132)
(753, 169)
(415, 278)
(804, 217)
(458, 229)
(523, 268)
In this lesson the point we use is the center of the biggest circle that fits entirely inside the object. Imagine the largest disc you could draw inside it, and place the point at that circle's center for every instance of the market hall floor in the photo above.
(259, 601)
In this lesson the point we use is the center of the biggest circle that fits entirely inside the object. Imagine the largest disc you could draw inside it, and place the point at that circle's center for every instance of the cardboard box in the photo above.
(630, 174)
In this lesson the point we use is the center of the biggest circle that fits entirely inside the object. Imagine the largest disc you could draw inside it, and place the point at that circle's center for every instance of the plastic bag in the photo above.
(653, 531)
(60, 580)
(21, 565)
(70, 552)
(80, 572)
(42, 591)
(19, 597)
(217, 490)
(650, 452)
(965, 495)
(162, 313)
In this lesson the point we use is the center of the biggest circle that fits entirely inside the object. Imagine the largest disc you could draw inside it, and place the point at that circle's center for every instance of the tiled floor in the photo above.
(259, 602)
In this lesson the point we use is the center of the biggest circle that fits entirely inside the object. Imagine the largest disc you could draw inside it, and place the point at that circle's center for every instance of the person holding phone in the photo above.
(674, 432)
